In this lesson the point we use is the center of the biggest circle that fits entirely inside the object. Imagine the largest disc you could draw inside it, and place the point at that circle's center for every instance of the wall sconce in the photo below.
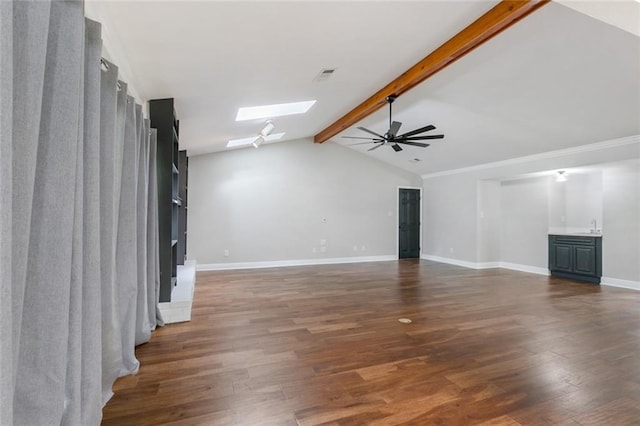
(561, 176)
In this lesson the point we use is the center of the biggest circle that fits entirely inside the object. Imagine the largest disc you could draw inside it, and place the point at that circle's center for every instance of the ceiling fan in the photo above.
(392, 138)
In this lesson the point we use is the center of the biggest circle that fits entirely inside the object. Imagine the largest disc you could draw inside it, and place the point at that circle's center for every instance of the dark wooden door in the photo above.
(409, 223)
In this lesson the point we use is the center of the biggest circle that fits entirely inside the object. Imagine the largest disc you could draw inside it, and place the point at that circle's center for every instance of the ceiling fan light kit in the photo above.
(265, 135)
(392, 138)
(267, 129)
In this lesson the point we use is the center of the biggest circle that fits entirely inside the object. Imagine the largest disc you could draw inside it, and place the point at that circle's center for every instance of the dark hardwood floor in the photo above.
(323, 345)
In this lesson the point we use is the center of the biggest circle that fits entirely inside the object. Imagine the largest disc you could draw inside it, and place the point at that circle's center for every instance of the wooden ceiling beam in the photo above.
(499, 18)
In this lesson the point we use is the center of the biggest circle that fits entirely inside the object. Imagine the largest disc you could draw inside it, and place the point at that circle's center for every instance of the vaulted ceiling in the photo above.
(556, 79)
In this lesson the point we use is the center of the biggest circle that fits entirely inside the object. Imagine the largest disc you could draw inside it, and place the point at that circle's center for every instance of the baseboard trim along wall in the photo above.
(612, 282)
(487, 265)
(615, 282)
(524, 268)
(458, 262)
(301, 262)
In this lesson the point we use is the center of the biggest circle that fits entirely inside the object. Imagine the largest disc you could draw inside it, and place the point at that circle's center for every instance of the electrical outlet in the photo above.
(323, 242)
(226, 252)
(313, 250)
(362, 248)
(355, 248)
(451, 250)
(323, 249)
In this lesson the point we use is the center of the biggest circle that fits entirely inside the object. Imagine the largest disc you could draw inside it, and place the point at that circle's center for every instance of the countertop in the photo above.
(576, 234)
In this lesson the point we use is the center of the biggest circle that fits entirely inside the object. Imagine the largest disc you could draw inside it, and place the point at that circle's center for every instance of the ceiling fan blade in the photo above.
(364, 129)
(422, 145)
(356, 137)
(376, 147)
(421, 138)
(365, 143)
(420, 130)
(396, 147)
(395, 126)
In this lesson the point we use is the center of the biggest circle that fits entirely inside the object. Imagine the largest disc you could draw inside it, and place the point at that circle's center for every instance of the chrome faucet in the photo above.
(595, 227)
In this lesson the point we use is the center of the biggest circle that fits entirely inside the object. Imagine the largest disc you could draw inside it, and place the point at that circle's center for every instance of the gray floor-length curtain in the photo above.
(78, 219)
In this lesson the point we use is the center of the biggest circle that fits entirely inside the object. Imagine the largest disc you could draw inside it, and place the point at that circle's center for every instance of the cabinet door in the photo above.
(562, 257)
(585, 260)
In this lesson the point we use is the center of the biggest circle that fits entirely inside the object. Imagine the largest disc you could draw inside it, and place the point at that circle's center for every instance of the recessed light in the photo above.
(277, 110)
(248, 141)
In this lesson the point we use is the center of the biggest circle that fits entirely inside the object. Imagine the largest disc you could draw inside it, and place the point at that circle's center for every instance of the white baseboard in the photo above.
(488, 265)
(301, 262)
(525, 268)
(450, 261)
(179, 309)
(612, 282)
(463, 263)
(615, 282)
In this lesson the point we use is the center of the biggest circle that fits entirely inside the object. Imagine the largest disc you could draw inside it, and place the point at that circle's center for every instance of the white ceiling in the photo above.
(556, 79)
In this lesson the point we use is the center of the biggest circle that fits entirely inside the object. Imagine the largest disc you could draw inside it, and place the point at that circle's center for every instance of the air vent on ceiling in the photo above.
(415, 160)
(325, 74)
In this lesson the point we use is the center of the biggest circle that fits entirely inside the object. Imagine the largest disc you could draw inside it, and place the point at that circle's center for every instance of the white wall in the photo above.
(524, 222)
(463, 213)
(489, 221)
(449, 218)
(621, 220)
(583, 201)
(278, 202)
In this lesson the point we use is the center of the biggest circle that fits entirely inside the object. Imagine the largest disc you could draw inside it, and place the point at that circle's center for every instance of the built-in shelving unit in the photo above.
(163, 118)
(183, 177)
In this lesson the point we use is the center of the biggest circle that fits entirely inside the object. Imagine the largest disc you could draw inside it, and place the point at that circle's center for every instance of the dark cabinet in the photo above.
(576, 257)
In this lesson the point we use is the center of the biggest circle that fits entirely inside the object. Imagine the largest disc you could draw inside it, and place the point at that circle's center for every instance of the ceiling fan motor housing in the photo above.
(392, 138)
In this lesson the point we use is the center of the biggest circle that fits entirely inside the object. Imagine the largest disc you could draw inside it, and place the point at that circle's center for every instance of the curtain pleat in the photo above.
(143, 327)
(78, 219)
(126, 258)
(6, 218)
(91, 383)
(153, 263)
(110, 150)
(44, 335)
(30, 31)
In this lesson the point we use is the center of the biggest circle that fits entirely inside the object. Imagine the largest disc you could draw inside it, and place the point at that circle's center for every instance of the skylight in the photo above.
(270, 111)
(248, 141)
